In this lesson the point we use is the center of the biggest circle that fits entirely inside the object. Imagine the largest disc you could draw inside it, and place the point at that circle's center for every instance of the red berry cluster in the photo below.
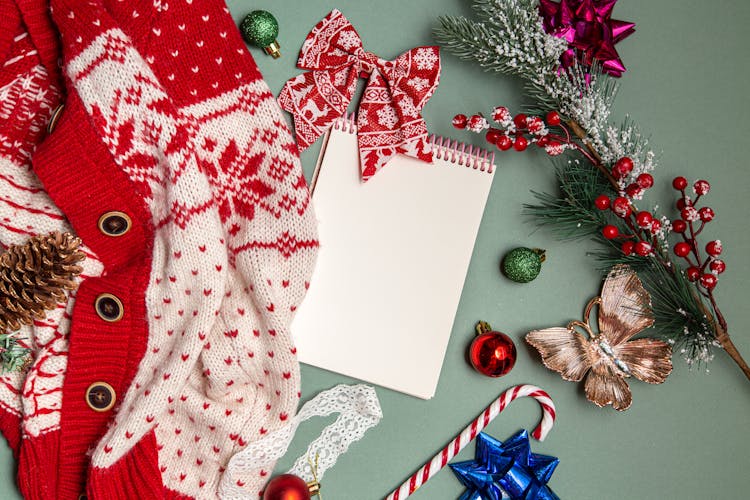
(642, 224)
(622, 169)
(518, 131)
(704, 272)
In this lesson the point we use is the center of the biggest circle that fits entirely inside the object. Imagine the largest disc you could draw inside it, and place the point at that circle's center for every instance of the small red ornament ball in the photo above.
(521, 143)
(553, 118)
(460, 121)
(718, 266)
(679, 226)
(693, 273)
(627, 247)
(610, 232)
(602, 202)
(655, 226)
(682, 249)
(492, 354)
(708, 281)
(642, 248)
(286, 487)
(504, 143)
(679, 183)
(714, 248)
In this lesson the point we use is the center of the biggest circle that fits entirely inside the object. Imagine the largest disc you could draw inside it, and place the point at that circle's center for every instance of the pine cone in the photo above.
(35, 276)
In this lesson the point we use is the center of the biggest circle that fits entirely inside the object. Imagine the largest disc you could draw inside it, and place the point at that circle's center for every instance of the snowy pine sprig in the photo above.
(508, 37)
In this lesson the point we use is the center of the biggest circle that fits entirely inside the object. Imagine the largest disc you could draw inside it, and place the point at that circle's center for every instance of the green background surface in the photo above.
(688, 68)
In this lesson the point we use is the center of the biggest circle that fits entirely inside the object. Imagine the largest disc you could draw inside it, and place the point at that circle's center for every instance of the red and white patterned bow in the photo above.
(388, 119)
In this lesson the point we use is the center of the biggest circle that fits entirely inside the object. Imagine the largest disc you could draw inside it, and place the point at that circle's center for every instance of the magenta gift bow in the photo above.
(388, 118)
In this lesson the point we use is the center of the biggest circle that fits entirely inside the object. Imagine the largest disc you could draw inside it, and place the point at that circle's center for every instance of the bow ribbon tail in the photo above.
(315, 101)
(378, 127)
(415, 76)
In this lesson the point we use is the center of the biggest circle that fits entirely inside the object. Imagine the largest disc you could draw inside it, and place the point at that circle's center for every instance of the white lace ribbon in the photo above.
(359, 410)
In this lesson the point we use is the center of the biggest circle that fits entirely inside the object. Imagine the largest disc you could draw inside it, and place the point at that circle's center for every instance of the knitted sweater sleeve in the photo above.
(28, 97)
(185, 113)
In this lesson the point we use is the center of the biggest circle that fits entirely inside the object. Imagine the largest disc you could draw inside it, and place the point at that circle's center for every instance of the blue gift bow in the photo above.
(506, 470)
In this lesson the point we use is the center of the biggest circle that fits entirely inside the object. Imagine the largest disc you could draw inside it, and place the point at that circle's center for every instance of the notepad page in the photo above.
(394, 253)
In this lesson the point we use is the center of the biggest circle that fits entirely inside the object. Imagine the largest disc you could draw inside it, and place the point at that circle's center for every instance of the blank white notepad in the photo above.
(394, 252)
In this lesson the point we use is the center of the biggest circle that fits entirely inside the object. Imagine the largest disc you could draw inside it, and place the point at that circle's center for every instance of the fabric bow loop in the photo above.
(388, 117)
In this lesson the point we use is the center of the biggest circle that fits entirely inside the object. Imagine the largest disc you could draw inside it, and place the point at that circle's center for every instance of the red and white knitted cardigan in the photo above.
(168, 120)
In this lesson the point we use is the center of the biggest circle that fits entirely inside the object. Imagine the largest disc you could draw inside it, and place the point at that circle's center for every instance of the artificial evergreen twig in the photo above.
(508, 37)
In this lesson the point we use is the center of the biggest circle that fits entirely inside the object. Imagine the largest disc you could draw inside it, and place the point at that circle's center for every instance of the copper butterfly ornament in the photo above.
(606, 359)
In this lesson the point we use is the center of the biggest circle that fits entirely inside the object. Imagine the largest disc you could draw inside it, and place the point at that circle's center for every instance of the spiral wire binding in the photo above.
(447, 149)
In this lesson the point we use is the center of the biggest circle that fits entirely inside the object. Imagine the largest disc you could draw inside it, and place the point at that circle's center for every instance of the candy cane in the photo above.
(467, 435)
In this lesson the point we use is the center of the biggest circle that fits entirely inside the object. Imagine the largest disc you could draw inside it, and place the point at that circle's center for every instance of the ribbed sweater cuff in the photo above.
(135, 475)
(10, 426)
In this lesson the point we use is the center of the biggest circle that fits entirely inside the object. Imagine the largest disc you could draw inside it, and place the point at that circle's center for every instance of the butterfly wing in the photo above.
(649, 360)
(604, 386)
(563, 350)
(625, 308)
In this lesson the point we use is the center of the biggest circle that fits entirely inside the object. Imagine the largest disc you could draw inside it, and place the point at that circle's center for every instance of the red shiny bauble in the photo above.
(645, 181)
(520, 121)
(644, 219)
(610, 232)
(693, 273)
(655, 226)
(553, 118)
(679, 183)
(504, 142)
(460, 121)
(679, 226)
(717, 266)
(521, 143)
(492, 354)
(682, 249)
(286, 487)
(602, 202)
(709, 281)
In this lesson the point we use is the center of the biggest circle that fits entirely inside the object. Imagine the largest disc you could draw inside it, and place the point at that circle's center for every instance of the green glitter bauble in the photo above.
(260, 28)
(523, 264)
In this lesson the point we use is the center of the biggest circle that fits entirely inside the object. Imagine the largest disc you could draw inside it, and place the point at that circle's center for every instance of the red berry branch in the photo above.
(643, 235)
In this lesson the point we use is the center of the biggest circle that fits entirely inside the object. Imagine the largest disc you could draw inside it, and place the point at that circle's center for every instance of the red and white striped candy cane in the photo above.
(467, 435)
